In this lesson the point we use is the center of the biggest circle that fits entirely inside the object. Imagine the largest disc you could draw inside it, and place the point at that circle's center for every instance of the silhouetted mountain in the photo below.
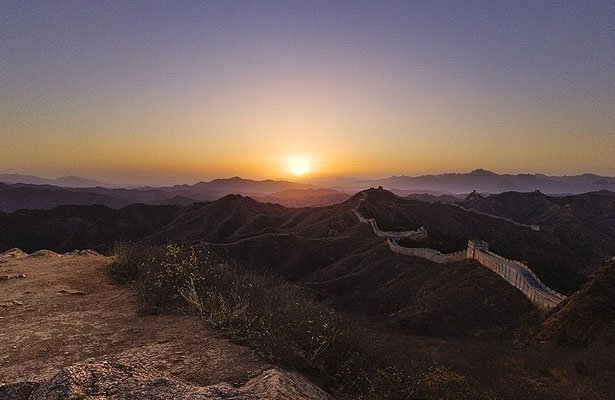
(27, 196)
(428, 198)
(18, 196)
(220, 187)
(66, 181)
(175, 200)
(329, 250)
(305, 197)
(66, 228)
(488, 182)
(225, 219)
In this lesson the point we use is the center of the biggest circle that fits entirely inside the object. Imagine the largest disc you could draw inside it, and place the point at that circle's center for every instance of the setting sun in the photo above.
(299, 166)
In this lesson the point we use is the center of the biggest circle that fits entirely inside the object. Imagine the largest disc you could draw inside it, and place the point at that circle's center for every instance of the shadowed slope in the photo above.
(587, 316)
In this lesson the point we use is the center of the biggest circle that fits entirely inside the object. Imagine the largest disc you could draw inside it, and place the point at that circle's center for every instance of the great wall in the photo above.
(514, 272)
(512, 221)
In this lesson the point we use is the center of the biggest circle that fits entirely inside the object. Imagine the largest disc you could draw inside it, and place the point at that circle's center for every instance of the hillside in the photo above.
(586, 221)
(586, 317)
(18, 196)
(81, 227)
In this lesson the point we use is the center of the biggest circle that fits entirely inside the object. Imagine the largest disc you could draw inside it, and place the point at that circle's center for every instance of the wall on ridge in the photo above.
(472, 210)
(514, 272)
(520, 276)
(420, 233)
(427, 253)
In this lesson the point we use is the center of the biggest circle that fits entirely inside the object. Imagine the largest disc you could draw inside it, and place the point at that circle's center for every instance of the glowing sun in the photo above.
(299, 166)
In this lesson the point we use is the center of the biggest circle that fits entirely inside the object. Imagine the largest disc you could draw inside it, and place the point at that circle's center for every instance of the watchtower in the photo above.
(474, 245)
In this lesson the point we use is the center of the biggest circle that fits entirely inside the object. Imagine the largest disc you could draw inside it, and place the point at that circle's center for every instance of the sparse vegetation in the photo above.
(283, 322)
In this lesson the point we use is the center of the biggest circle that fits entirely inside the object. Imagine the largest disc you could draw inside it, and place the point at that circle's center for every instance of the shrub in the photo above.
(282, 321)
(128, 260)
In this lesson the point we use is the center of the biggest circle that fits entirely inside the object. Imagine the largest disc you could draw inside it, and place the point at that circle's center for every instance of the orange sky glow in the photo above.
(152, 95)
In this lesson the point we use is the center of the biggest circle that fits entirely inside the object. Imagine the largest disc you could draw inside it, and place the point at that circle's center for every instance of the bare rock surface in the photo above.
(13, 253)
(116, 381)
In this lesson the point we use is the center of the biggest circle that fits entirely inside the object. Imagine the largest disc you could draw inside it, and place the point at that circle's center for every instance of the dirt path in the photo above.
(67, 310)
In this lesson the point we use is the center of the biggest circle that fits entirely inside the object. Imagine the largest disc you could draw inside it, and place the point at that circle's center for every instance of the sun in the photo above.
(299, 166)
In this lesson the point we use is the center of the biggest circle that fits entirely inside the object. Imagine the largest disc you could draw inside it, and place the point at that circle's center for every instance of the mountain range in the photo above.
(29, 192)
(29, 196)
(301, 241)
(65, 181)
(449, 183)
(486, 182)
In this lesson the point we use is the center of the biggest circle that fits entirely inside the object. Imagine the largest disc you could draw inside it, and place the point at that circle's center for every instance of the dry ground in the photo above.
(67, 310)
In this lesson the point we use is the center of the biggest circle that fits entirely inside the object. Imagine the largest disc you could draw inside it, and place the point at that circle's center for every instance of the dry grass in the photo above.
(283, 322)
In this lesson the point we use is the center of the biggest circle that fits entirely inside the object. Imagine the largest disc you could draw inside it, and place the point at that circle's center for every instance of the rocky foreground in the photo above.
(68, 332)
(114, 381)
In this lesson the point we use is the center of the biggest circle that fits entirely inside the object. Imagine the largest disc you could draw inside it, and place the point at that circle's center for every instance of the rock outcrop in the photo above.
(13, 253)
(44, 253)
(115, 381)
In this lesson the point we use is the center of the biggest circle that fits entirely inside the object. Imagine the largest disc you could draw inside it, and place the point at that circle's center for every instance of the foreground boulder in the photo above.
(13, 253)
(115, 381)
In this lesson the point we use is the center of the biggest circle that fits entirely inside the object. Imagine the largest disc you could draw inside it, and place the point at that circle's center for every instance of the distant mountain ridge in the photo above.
(445, 188)
(481, 180)
(65, 181)
(18, 196)
(484, 181)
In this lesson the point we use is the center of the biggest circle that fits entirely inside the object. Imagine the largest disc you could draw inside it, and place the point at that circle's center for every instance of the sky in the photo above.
(164, 92)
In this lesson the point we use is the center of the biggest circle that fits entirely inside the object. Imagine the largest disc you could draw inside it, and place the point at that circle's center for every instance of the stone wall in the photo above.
(512, 221)
(514, 272)
(427, 253)
(418, 234)
(520, 276)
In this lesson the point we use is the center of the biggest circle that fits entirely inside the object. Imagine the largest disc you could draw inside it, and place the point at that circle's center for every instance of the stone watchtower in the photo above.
(474, 245)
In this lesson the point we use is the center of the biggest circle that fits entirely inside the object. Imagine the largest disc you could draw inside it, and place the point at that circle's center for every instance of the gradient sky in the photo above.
(154, 92)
